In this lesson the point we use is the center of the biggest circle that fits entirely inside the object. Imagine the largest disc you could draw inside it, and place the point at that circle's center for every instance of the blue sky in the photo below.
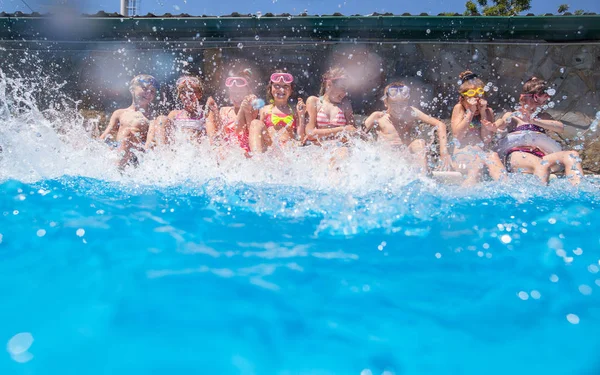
(347, 7)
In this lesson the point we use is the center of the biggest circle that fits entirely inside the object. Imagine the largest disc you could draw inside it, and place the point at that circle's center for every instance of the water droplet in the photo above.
(256, 37)
(562, 70)
(428, 31)
(551, 92)
(80, 232)
(240, 45)
(573, 319)
(438, 255)
(41, 232)
(419, 73)
(586, 290)
(154, 28)
(259, 14)
(523, 295)
(506, 239)
(535, 294)
(19, 343)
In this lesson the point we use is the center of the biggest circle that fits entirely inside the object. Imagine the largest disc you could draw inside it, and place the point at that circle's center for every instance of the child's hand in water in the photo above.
(212, 105)
(301, 108)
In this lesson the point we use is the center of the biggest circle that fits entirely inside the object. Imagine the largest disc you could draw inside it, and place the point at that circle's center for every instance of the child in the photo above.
(277, 121)
(473, 128)
(527, 148)
(330, 116)
(394, 125)
(131, 124)
(190, 120)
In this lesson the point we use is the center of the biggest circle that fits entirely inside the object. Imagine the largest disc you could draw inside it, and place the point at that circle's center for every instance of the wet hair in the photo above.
(469, 81)
(143, 79)
(334, 72)
(270, 85)
(535, 85)
(189, 82)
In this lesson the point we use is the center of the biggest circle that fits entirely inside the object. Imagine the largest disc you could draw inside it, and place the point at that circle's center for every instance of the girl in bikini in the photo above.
(192, 121)
(527, 148)
(233, 131)
(330, 115)
(278, 122)
(473, 129)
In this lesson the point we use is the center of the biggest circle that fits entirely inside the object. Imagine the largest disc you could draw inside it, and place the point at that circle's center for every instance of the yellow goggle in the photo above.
(474, 92)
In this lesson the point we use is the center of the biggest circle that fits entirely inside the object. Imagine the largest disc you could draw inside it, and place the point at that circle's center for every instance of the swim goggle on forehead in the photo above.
(282, 77)
(399, 90)
(237, 81)
(145, 81)
(474, 92)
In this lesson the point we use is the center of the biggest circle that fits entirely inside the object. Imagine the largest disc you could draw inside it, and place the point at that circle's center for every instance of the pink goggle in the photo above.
(282, 77)
(237, 81)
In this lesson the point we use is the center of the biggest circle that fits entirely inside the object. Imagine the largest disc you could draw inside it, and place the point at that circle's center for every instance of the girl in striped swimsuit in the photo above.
(330, 116)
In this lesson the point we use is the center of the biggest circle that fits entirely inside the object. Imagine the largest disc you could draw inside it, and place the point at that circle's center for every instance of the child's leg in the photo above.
(418, 148)
(128, 142)
(571, 161)
(495, 166)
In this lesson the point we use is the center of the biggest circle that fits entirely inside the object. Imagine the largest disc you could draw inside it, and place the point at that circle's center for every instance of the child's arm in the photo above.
(461, 119)
(246, 114)
(547, 122)
(442, 133)
(157, 132)
(372, 120)
(112, 124)
(213, 121)
(488, 128)
(348, 112)
(301, 118)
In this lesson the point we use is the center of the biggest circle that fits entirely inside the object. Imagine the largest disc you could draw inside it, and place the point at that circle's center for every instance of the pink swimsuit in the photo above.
(231, 133)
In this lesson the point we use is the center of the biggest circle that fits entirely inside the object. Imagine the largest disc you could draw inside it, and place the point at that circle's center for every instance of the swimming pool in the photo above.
(193, 264)
(222, 277)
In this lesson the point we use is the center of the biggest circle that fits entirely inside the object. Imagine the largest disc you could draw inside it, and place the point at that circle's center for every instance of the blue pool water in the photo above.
(232, 278)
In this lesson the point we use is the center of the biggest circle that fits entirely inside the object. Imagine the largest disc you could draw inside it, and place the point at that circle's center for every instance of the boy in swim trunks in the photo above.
(395, 125)
(131, 124)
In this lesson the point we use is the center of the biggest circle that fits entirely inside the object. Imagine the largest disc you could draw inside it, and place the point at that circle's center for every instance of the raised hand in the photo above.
(212, 105)
(301, 108)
